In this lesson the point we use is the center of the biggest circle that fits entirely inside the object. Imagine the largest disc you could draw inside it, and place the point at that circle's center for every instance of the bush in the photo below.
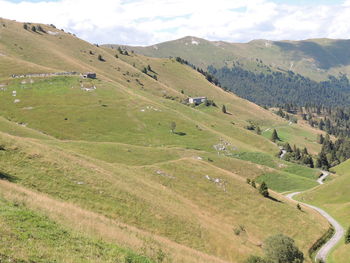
(100, 58)
(41, 29)
(280, 248)
(255, 259)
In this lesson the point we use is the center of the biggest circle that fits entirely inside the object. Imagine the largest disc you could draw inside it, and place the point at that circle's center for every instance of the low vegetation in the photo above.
(279, 248)
(124, 166)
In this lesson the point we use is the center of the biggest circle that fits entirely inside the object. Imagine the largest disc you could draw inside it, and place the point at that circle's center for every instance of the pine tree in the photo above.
(224, 109)
(274, 136)
(320, 139)
(297, 154)
(311, 162)
(264, 190)
(305, 151)
(347, 236)
(324, 161)
(318, 163)
(288, 148)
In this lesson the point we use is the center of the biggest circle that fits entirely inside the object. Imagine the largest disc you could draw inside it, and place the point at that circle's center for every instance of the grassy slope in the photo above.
(334, 198)
(315, 58)
(127, 166)
(32, 237)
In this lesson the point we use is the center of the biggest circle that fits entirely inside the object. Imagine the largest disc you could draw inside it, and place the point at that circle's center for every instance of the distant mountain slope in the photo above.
(314, 58)
(269, 72)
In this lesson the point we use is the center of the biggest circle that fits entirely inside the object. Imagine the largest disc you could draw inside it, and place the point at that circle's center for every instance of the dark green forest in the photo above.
(276, 88)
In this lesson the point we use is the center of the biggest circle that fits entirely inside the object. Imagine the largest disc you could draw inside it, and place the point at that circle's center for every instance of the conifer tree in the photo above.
(347, 236)
(305, 151)
(288, 148)
(318, 163)
(224, 109)
(264, 190)
(274, 136)
(297, 154)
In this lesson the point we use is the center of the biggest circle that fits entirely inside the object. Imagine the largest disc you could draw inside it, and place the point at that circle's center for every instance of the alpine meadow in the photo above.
(185, 151)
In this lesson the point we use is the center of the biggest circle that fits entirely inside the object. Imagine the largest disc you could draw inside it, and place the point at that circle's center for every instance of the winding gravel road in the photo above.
(321, 179)
(339, 230)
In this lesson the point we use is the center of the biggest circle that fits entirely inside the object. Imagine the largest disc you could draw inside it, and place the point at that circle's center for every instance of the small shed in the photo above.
(89, 75)
(197, 100)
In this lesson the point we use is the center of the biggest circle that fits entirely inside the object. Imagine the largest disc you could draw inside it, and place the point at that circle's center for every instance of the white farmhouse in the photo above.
(197, 100)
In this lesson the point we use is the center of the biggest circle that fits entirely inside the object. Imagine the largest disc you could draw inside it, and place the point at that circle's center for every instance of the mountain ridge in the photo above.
(167, 179)
(314, 58)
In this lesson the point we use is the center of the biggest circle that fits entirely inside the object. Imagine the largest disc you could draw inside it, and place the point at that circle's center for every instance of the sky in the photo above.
(147, 22)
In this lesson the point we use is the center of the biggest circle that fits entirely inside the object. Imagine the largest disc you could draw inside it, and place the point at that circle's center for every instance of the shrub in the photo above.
(255, 259)
(280, 248)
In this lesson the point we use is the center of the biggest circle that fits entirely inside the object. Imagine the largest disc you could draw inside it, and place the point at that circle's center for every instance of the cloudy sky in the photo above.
(145, 22)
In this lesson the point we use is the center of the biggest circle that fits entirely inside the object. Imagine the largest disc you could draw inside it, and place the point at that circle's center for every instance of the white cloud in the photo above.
(144, 22)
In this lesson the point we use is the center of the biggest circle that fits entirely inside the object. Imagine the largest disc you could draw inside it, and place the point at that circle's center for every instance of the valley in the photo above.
(122, 168)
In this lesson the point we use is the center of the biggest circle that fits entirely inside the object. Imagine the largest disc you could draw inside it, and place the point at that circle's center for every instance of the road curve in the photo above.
(321, 179)
(339, 230)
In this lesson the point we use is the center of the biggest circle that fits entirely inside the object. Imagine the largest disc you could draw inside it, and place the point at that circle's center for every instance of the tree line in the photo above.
(276, 88)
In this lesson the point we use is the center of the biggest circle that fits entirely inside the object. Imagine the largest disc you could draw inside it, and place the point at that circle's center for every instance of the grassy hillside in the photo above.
(334, 198)
(98, 158)
(314, 58)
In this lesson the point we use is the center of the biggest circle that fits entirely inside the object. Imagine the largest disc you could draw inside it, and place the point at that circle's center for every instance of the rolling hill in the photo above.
(94, 161)
(268, 73)
(313, 58)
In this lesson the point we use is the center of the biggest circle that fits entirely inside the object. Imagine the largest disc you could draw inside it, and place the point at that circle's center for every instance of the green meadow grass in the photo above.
(110, 152)
(29, 236)
(334, 198)
(285, 182)
(286, 177)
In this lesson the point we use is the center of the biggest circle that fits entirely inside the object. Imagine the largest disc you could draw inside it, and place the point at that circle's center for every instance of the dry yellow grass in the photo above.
(97, 225)
(187, 215)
